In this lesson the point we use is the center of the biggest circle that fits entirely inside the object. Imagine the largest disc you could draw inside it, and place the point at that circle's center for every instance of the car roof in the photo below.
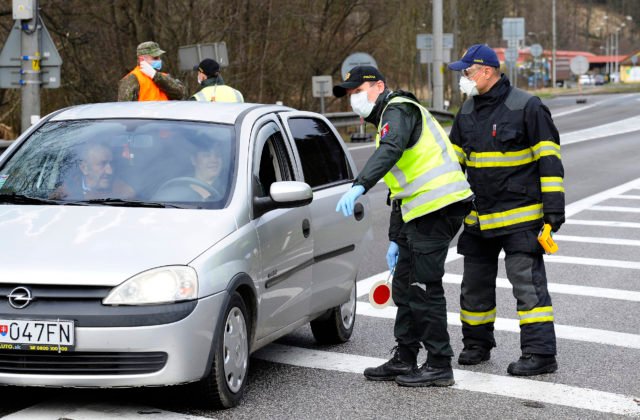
(224, 113)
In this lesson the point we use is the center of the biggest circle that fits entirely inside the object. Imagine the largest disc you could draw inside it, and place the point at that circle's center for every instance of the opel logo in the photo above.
(20, 297)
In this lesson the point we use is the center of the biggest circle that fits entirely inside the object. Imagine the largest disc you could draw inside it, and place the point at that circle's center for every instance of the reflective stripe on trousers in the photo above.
(478, 318)
(541, 314)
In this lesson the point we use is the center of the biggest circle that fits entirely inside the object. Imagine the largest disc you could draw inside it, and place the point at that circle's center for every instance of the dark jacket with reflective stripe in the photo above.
(510, 148)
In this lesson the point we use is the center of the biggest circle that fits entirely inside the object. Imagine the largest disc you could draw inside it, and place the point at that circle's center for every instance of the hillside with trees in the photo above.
(276, 46)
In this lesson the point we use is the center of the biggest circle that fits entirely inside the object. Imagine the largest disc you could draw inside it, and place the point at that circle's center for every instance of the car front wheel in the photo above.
(338, 326)
(225, 384)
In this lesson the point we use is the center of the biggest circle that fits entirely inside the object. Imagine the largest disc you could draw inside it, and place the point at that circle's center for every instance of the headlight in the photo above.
(160, 285)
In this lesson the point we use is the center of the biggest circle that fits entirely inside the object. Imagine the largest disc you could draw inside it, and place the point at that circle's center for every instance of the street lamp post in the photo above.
(553, 43)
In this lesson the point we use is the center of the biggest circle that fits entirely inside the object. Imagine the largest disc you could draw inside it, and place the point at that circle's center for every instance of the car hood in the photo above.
(100, 245)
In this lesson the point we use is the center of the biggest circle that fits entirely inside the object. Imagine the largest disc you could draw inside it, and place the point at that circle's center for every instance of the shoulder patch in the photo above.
(384, 130)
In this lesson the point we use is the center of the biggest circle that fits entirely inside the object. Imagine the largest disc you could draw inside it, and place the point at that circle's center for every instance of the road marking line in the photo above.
(94, 411)
(561, 259)
(616, 208)
(596, 240)
(604, 223)
(628, 197)
(526, 389)
(567, 332)
(585, 203)
(364, 286)
(628, 125)
(577, 207)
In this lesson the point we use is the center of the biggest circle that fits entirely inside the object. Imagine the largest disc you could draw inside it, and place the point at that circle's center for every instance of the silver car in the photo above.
(149, 244)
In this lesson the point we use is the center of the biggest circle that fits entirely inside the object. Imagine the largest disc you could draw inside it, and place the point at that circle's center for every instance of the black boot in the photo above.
(389, 369)
(427, 376)
(533, 364)
(473, 355)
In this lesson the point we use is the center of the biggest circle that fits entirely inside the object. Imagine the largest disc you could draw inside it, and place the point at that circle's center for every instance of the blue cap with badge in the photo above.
(476, 54)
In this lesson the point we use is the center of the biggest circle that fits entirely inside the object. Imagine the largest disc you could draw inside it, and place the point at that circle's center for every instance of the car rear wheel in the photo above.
(338, 326)
(225, 384)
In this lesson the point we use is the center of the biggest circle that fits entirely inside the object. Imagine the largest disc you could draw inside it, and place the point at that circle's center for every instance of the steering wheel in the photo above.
(187, 181)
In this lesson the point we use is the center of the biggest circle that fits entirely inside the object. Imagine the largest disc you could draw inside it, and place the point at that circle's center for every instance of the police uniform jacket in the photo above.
(510, 148)
(402, 127)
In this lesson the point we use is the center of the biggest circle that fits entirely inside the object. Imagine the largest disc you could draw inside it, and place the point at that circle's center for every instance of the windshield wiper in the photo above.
(129, 203)
(13, 198)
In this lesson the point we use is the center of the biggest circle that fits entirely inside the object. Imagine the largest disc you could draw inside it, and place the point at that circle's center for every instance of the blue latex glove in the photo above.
(348, 200)
(392, 255)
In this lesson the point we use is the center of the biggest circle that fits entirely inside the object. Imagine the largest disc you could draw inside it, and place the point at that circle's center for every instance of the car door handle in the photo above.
(306, 228)
(358, 211)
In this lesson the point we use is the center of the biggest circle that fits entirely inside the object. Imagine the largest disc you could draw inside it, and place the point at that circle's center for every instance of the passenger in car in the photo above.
(95, 178)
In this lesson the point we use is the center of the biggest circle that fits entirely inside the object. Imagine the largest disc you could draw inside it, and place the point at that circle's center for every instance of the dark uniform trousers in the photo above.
(417, 284)
(525, 271)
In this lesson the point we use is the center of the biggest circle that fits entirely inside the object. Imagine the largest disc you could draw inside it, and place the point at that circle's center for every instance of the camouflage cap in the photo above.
(149, 48)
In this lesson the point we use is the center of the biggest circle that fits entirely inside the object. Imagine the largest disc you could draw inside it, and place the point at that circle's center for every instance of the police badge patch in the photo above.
(384, 130)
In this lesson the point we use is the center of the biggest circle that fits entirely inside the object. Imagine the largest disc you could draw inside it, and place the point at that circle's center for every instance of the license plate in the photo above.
(38, 335)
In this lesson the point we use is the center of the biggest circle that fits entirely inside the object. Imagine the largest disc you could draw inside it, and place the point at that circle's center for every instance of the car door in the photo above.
(338, 240)
(285, 240)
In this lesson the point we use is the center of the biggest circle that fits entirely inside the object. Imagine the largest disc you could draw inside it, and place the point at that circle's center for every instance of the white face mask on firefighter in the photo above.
(468, 86)
(360, 104)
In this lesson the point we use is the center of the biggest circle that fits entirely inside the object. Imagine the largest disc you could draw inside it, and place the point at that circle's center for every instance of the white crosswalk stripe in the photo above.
(551, 393)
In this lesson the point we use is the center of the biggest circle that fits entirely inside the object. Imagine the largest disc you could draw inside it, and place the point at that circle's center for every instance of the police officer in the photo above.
(213, 88)
(506, 140)
(430, 197)
(146, 82)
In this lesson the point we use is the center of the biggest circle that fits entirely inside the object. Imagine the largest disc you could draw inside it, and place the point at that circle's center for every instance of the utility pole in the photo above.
(30, 68)
(455, 92)
(553, 44)
(438, 91)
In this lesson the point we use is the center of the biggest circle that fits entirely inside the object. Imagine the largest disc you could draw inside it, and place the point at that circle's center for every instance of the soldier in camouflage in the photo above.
(146, 82)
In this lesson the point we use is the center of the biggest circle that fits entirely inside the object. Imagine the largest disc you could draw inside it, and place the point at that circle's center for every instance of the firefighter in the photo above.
(430, 198)
(509, 146)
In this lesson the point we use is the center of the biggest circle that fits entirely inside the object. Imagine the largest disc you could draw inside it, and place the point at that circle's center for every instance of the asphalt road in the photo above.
(594, 285)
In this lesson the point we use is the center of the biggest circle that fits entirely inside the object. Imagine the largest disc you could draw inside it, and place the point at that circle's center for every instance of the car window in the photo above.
(272, 162)
(322, 157)
(183, 163)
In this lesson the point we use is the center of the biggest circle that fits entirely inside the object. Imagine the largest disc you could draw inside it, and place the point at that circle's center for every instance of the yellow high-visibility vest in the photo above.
(427, 177)
(219, 93)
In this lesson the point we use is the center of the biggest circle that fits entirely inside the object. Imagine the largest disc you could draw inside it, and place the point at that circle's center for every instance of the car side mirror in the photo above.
(283, 194)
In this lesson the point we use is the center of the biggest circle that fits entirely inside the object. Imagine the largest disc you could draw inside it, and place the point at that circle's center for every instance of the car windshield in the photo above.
(128, 162)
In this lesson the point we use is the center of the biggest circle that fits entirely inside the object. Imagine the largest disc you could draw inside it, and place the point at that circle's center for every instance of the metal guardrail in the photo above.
(4, 144)
(346, 119)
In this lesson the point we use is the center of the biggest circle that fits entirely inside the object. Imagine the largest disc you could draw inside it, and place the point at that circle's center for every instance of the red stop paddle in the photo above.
(380, 293)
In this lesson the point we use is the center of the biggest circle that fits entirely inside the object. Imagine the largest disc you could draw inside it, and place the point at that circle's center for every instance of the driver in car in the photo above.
(207, 165)
(95, 179)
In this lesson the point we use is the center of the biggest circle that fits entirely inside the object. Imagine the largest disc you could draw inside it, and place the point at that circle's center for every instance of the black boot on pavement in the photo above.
(390, 369)
(473, 355)
(533, 364)
(427, 376)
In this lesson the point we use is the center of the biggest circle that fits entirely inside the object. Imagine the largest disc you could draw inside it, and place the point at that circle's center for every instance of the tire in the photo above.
(338, 326)
(225, 384)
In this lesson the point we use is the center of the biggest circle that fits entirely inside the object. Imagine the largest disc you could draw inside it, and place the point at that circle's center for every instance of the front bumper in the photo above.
(187, 344)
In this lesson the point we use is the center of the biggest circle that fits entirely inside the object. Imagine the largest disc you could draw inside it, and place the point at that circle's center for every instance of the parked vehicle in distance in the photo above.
(598, 80)
(586, 80)
(161, 243)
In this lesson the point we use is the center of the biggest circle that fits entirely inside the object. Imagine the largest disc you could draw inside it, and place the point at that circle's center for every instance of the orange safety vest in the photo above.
(149, 91)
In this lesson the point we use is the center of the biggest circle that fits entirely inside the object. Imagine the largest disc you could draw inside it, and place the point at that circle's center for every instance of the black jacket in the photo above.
(508, 151)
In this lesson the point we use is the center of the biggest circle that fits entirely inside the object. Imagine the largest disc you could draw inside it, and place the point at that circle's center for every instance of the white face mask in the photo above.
(468, 86)
(361, 105)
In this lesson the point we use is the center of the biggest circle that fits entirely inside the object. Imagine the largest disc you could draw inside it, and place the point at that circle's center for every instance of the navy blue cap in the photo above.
(476, 54)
